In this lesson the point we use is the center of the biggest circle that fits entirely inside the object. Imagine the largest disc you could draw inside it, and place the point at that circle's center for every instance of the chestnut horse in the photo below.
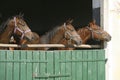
(92, 31)
(65, 31)
(16, 27)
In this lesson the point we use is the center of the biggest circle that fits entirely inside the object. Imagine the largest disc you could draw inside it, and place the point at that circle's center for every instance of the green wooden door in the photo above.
(52, 65)
(80, 64)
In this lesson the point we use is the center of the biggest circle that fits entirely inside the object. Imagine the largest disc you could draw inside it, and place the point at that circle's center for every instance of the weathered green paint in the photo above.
(52, 65)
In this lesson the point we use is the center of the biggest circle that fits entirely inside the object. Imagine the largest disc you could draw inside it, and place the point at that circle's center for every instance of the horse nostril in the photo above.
(32, 38)
(80, 41)
(107, 38)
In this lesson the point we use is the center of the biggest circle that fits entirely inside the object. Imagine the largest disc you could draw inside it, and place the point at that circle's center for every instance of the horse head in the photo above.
(21, 30)
(97, 33)
(70, 33)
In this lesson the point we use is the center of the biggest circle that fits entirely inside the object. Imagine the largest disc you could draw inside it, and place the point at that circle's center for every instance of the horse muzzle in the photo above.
(78, 42)
(108, 38)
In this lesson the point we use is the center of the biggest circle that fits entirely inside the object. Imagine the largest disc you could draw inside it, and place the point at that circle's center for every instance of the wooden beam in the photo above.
(50, 45)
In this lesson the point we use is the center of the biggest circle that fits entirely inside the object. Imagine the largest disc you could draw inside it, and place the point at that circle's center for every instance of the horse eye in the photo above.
(72, 30)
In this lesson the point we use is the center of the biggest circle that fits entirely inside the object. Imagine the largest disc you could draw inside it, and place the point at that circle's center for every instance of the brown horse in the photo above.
(92, 31)
(16, 27)
(65, 31)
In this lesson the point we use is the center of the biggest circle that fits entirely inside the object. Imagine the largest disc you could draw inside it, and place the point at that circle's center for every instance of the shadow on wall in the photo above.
(96, 15)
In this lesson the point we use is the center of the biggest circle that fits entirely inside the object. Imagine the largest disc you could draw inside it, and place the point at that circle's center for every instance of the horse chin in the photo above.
(107, 40)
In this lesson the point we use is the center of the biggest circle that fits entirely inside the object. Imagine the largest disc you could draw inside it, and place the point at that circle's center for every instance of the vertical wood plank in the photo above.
(90, 65)
(23, 71)
(101, 65)
(9, 65)
(16, 66)
(79, 67)
(94, 66)
(85, 65)
(69, 67)
(73, 65)
(50, 67)
(57, 64)
(29, 72)
(43, 66)
(63, 64)
(3, 65)
(35, 64)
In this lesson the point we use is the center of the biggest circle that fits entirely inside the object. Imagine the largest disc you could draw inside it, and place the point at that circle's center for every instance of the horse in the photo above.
(65, 31)
(92, 31)
(15, 26)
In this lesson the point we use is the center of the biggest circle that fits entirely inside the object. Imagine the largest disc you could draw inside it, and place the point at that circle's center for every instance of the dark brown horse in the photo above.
(16, 27)
(65, 31)
(92, 31)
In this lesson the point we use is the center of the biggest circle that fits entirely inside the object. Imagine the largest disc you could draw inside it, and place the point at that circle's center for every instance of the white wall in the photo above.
(111, 22)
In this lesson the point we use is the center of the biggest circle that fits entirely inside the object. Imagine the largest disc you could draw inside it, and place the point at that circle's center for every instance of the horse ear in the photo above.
(21, 14)
(92, 22)
(69, 21)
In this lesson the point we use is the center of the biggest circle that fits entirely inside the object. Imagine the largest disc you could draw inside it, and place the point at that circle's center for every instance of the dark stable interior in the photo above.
(43, 15)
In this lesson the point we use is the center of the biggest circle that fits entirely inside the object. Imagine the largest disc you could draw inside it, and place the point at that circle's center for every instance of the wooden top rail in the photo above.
(50, 45)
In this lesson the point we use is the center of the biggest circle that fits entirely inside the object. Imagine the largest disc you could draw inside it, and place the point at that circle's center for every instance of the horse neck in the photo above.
(57, 38)
(6, 35)
(84, 34)
(53, 38)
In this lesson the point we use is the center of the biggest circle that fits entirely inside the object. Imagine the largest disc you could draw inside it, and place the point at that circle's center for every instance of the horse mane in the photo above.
(4, 25)
(69, 21)
(49, 35)
(21, 16)
(82, 30)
